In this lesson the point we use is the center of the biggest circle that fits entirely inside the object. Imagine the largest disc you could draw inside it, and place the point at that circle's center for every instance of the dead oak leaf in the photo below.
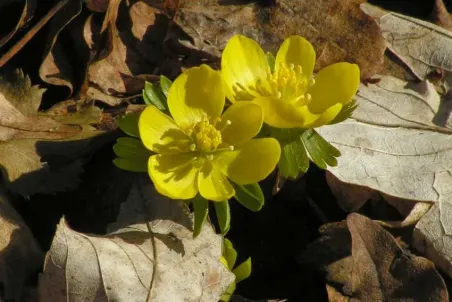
(367, 264)
(339, 30)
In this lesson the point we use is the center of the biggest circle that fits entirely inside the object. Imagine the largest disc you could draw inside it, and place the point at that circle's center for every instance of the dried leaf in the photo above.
(20, 256)
(150, 243)
(339, 30)
(396, 141)
(441, 16)
(373, 266)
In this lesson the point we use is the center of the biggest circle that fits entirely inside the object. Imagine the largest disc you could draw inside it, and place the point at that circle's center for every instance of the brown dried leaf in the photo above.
(27, 13)
(149, 255)
(339, 30)
(373, 267)
(440, 16)
(20, 256)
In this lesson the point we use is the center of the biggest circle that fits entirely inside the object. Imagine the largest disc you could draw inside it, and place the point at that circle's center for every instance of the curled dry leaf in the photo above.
(114, 56)
(40, 152)
(25, 16)
(20, 256)
(149, 255)
(363, 262)
(339, 30)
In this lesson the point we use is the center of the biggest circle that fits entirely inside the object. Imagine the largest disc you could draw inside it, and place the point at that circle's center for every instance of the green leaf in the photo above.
(242, 271)
(226, 296)
(321, 152)
(153, 95)
(132, 164)
(345, 113)
(271, 61)
(223, 215)
(250, 196)
(201, 207)
(129, 124)
(294, 159)
(229, 253)
(130, 147)
(165, 84)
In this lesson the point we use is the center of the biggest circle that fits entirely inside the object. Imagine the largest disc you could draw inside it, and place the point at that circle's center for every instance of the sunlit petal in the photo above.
(195, 94)
(160, 133)
(298, 51)
(174, 175)
(246, 120)
(213, 184)
(250, 163)
(280, 114)
(244, 62)
(334, 84)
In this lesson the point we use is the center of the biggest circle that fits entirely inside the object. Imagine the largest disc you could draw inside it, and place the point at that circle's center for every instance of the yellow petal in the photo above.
(195, 94)
(213, 184)
(334, 84)
(326, 117)
(246, 121)
(250, 163)
(298, 51)
(243, 61)
(160, 133)
(280, 114)
(174, 175)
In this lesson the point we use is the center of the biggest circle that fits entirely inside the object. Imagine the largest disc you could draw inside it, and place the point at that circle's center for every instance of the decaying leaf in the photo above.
(441, 16)
(363, 262)
(40, 152)
(20, 257)
(339, 30)
(149, 255)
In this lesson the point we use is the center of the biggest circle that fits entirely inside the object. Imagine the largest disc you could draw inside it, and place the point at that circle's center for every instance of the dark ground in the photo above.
(273, 237)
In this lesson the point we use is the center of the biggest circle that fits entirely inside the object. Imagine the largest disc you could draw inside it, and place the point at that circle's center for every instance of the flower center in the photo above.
(206, 135)
(288, 83)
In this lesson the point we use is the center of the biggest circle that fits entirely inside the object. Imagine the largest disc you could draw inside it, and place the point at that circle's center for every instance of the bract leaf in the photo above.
(242, 271)
(165, 84)
(223, 215)
(201, 207)
(250, 196)
(153, 95)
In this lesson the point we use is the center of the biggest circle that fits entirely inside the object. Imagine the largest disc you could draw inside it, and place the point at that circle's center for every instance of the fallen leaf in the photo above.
(396, 142)
(422, 46)
(20, 256)
(149, 255)
(441, 16)
(339, 30)
(41, 152)
(363, 262)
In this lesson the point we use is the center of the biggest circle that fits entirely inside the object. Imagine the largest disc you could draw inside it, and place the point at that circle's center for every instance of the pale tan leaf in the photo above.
(149, 253)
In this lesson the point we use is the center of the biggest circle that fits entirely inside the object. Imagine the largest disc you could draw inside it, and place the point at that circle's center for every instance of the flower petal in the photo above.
(280, 114)
(334, 84)
(243, 61)
(250, 163)
(195, 94)
(246, 122)
(174, 175)
(160, 133)
(326, 117)
(298, 51)
(213, 184)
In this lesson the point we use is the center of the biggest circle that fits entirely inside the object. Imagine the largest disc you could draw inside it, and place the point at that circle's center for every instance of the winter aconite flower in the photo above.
(290, 96)
(200, 148)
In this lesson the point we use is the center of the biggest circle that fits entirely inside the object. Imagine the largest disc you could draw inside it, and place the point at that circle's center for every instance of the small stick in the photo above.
(30, 34)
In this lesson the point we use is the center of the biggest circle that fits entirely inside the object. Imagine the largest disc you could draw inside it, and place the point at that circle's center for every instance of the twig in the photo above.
(30, 34)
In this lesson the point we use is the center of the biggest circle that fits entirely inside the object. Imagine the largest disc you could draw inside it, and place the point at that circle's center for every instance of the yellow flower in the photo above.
(290, 96)
(200, 148)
